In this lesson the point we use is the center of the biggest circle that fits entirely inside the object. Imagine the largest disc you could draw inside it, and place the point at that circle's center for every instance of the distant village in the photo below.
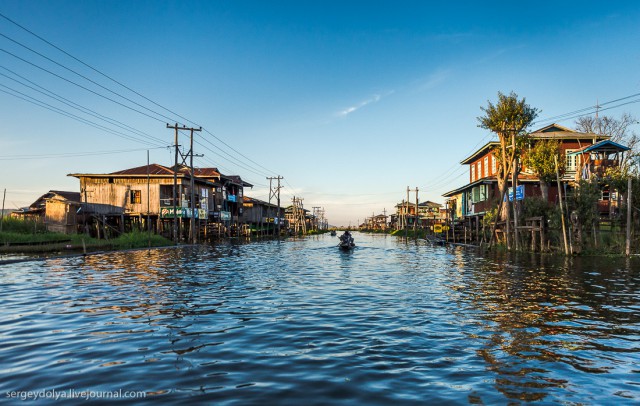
(197, 205)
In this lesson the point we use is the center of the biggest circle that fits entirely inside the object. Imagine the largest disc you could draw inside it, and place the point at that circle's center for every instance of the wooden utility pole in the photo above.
(406, 215)
(175, 186)
(384, 212)
(316, 213)
(148, 202)
(4, 195)
(275, 193)
(184, 157)
(629, 208)
(415, 221)
(564, 230)
(514, 185)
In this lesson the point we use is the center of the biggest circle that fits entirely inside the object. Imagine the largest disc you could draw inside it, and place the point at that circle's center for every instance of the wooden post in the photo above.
(564, 230)
(406, 215)
(514, 185)
(4, 195)
(629, 208)
(415, 220)
(532, 224)
(477, 228)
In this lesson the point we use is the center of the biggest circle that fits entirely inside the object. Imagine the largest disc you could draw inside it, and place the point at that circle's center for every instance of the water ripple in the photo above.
(286, 322)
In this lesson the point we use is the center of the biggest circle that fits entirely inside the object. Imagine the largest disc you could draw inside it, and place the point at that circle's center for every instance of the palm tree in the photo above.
(509, 119)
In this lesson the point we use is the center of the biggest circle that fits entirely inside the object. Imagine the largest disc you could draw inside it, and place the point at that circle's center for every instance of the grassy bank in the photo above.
(19, 236)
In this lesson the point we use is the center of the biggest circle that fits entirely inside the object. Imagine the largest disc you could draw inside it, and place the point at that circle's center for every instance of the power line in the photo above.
(89, 66)
(80, 86)
(115, 81)
(84, 77)
(590, 109)
(248, 167)
(47, 106)
(73, 154)
(77, 106)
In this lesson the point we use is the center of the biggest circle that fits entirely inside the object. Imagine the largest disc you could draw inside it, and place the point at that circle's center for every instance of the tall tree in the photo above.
(509, 119)
(618, 129)
(540, 160)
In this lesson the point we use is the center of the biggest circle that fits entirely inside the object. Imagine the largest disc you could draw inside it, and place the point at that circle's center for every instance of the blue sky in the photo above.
(350, 101)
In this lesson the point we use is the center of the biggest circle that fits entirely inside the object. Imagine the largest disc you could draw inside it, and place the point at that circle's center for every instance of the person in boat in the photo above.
(346, 238)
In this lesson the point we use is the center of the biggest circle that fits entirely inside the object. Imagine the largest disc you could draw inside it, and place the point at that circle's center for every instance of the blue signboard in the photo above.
(519, 193)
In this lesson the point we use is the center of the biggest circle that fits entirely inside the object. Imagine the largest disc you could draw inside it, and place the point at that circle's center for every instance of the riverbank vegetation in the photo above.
(26, 236)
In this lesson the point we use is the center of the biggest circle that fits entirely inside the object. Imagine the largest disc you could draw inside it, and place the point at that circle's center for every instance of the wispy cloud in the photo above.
(374, 99)
(433, 79)
(489, 57)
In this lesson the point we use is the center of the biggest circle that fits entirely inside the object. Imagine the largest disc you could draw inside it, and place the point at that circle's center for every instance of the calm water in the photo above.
(299, 322)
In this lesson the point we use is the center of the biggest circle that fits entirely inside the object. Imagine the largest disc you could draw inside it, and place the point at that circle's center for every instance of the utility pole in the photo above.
(406, 218)
(275, 193)
(384, 226)
(316, 213)
(175, 186)
(629, 208)
(415, 222)
(184, 157)
(514, 185)
(148, 203)
(564, 230)
(4, 195)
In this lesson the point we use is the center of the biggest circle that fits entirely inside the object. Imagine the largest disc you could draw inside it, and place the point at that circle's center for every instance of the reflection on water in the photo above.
(301, 321)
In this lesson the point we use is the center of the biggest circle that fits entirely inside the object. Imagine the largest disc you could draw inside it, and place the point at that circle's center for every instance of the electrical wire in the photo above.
(252, 169)
(89, 66)
(47, 106)
(84, 77)
(76, 106)
(73, 154)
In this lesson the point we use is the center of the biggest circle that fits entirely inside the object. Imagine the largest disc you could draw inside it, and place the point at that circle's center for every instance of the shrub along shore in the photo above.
(29, 237)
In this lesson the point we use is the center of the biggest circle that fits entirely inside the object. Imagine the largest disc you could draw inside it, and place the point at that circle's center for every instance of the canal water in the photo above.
(299, 322)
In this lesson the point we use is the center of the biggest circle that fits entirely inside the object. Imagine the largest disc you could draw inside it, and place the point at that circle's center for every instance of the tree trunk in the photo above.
(544, 190)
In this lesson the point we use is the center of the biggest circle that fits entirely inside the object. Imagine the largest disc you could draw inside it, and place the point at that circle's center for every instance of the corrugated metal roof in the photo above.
(153, 169)
(207, 172)
(605, 145)
(71, 196)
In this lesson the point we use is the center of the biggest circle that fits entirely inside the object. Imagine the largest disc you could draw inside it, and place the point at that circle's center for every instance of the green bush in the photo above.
(20, 226)
(139, 239)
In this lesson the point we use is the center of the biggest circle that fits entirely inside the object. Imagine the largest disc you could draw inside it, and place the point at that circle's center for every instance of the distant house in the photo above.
(260, 215)
(481, 193)
(56, 209)
(428, 213)
(298, 219)
(123, 200)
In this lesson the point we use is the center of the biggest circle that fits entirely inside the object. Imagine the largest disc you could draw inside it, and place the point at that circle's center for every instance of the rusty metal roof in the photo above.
(207, 172)
(153, 169)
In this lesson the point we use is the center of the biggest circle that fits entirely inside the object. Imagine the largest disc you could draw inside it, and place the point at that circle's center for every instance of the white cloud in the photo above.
(374, 99)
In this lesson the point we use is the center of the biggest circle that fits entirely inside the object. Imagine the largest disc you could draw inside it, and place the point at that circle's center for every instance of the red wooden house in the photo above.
(585, 153)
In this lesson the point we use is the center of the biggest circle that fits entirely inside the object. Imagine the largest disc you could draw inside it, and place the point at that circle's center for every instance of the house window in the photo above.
(475, 194)
(486, 166)
(572, 161)
(479, 171)
(136, 196)
(493, 165)
(473, 173)
(483, 193)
